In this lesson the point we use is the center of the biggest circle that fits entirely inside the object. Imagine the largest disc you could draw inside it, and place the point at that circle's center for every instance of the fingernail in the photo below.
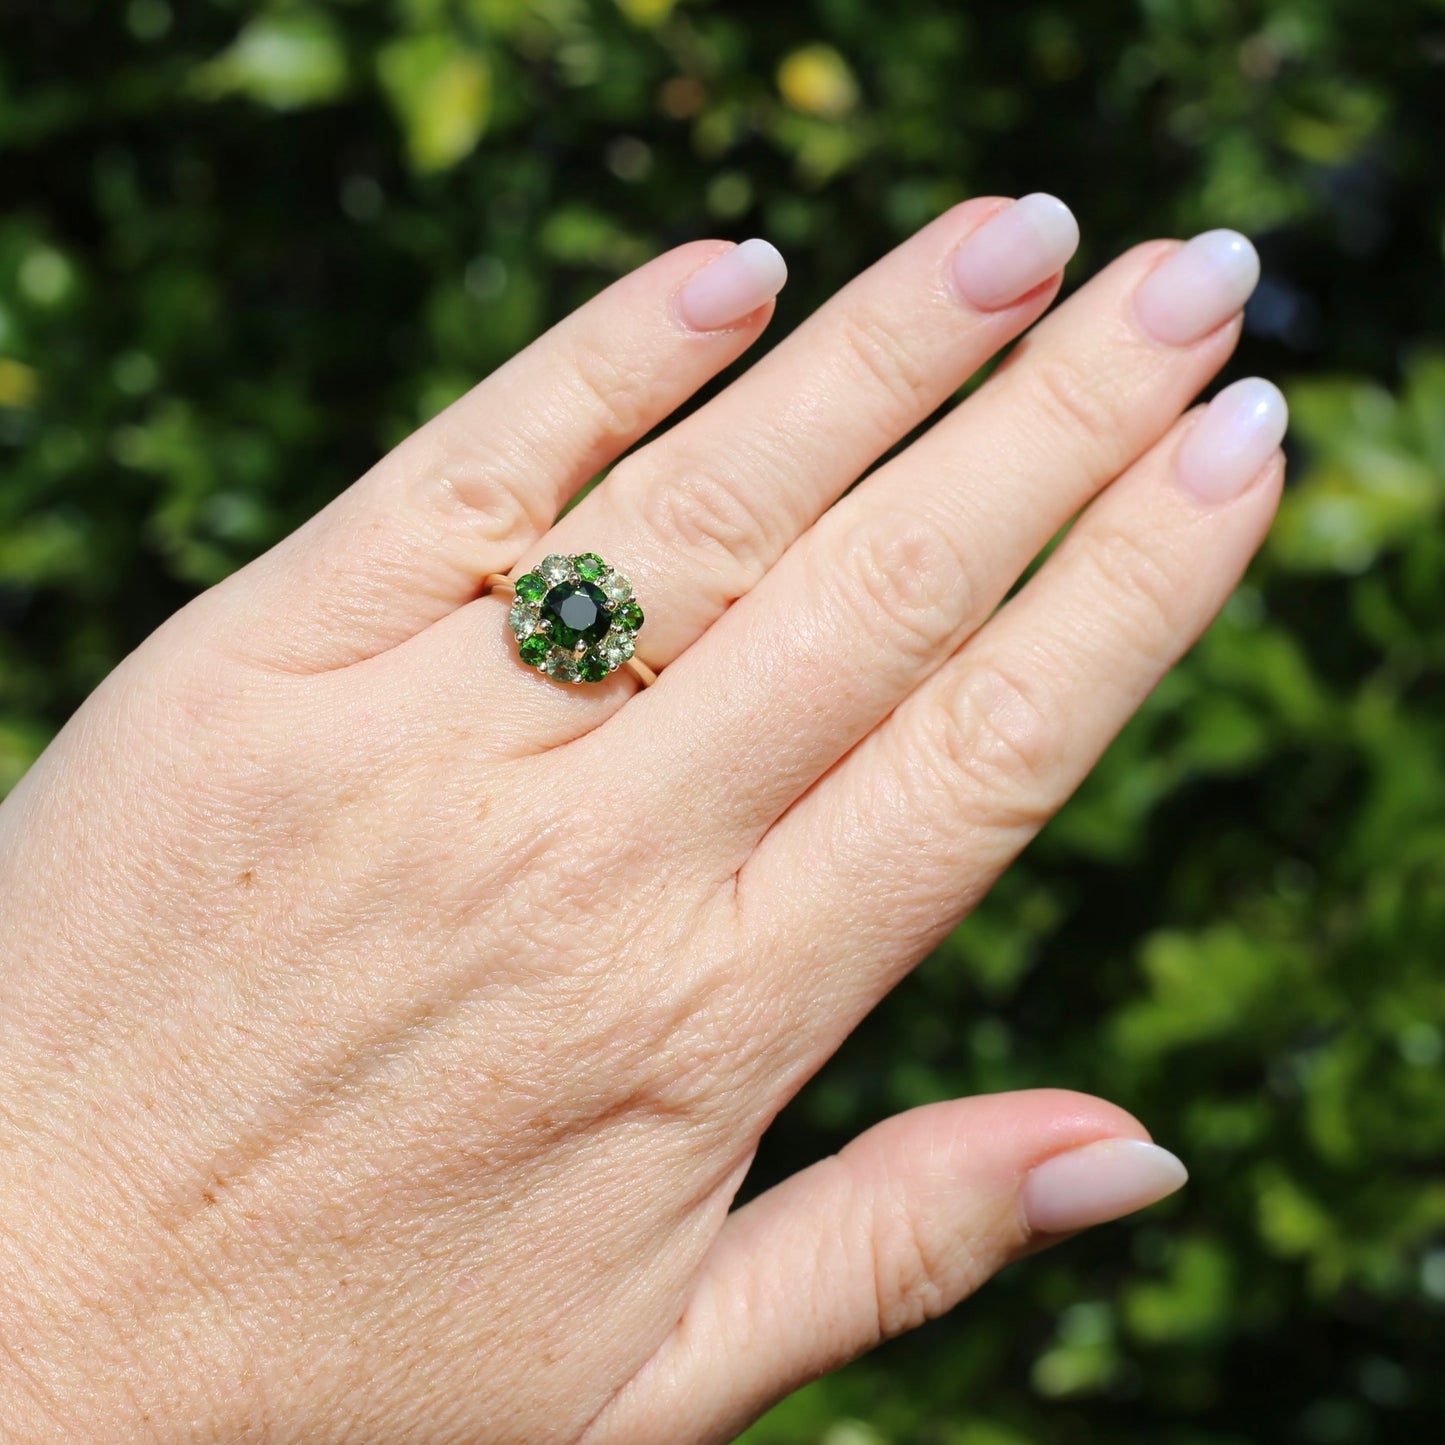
(1202, 284)
(1098, 1182)
(732, 285)
(1237, 433)
(1016, 249)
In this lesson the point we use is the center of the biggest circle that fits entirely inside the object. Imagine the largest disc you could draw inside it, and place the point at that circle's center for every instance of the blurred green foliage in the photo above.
(245, 247)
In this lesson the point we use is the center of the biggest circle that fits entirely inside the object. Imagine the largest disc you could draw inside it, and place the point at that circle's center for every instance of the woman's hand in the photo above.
(385, 1027)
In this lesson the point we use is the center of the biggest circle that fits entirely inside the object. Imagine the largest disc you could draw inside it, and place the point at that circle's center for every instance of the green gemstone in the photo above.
(590, 566)
(533, 649)
(522, 619)
(592, 668)
(629, 615)
(575, 612)
(531, 587)
(618, 646)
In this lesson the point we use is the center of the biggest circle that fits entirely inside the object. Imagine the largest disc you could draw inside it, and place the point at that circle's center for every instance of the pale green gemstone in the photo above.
(616, 587)
(561, 665)
(555, 568)
(617, 647)
(522, 619)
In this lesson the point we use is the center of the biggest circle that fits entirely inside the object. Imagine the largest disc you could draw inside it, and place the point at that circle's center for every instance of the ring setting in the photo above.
(574, 618)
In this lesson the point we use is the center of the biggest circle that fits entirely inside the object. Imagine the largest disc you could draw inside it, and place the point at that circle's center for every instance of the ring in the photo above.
(574, 618)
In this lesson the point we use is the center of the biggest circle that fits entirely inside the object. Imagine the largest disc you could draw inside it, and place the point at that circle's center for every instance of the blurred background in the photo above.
(246, 247)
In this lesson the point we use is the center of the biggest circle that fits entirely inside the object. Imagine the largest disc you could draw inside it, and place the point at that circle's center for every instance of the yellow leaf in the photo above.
(441, 92)
(816, 80)
(18, 383)
(646, 12)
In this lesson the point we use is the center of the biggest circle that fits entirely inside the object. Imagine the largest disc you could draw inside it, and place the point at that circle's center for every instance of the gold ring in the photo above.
(574, 618)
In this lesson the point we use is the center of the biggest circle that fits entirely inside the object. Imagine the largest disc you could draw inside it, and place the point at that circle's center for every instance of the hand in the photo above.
(387, 1026)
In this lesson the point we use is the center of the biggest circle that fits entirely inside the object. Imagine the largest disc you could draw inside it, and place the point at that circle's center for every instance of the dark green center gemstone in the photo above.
(530, 587)
(533, 649)
(592, 668)
(629, 615)
(576, 612)
(590, 566)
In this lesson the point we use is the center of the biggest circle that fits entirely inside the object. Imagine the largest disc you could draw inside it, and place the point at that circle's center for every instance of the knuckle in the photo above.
(887, 359)
(1073, 399)
(908, 578)
(479, 491)
(619, 389)
(909, 1274)
(698, 515)
(1000, 738)
(1127, 568)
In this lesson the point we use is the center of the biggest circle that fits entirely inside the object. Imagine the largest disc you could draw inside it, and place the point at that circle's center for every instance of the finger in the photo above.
(893, 579)
(699, 515)
(873, 866)
(905, 1222)
(467, 493)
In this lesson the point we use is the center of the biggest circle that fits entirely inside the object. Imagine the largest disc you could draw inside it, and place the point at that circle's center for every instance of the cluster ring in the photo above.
(574, 618)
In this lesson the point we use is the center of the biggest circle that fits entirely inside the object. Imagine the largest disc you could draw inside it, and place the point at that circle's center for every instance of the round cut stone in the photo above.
(618, 647)
(555, 568)
(629, 615)
(590, 566)
(562, 665)
(523, 619)
(616, 587)
(530, 587)
(575, 613)
(533, 649)
(591, 668)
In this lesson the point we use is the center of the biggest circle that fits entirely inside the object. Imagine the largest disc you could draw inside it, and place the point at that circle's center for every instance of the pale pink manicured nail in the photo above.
(732, 285)
(1202, 284)
(1016, 249)
(1238, 432)
(1099, 1182)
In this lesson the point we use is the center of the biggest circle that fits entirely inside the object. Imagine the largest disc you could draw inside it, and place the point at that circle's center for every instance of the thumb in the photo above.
(911, 1217)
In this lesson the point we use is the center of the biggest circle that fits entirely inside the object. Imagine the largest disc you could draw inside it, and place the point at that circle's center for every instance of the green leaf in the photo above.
(21, 742)
(1194, 1302)
(584, 236)
(1375, 480)
(286, 61)
(646, 13)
